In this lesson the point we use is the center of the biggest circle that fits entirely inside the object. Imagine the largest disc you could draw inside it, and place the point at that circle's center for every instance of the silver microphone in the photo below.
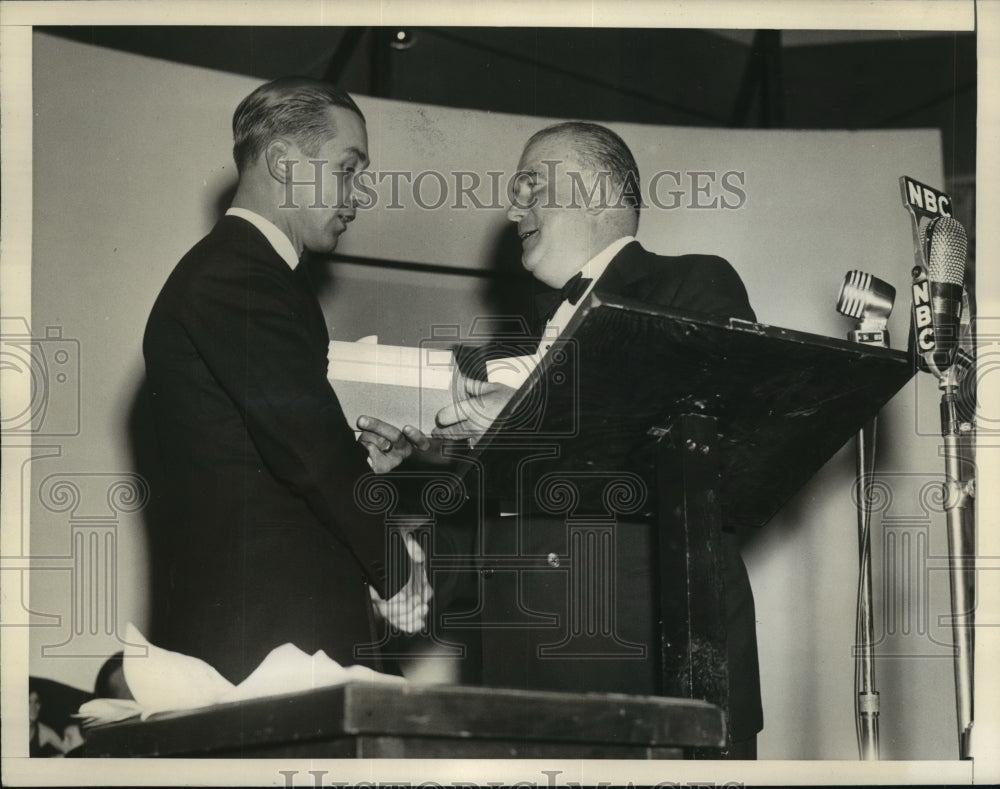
(869, 300)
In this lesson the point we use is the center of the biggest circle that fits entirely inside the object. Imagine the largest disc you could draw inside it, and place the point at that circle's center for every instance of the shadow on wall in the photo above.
(402, 301)
(509, 289)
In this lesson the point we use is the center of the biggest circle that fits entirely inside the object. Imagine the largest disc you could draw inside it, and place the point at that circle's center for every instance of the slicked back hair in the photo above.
(293, 107)
(604, 151)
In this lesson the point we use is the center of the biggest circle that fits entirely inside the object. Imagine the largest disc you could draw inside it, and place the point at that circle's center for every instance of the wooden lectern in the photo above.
(718, 424)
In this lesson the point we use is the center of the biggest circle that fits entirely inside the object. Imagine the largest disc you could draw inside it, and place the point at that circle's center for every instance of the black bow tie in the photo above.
(572, 292)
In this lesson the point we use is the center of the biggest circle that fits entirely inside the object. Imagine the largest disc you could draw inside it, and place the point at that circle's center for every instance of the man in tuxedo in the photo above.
(576, 205)
(263, 538)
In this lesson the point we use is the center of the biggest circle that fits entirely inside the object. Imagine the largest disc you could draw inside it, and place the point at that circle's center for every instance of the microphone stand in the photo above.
(958, 496)
(866, 706)
(958, 492)
(869, 299)
(866, 703)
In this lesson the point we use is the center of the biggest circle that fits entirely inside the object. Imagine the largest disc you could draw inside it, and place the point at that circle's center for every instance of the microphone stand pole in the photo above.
(867, 699)
(958, 496)
(866, 702)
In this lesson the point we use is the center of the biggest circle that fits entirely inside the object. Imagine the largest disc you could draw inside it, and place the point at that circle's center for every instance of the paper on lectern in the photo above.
(512, 371)
(398, 384)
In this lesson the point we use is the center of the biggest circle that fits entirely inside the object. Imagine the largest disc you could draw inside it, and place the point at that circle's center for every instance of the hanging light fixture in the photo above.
(402, 38)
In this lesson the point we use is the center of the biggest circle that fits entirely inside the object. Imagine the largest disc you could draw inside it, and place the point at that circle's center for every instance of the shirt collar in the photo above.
(281, 243)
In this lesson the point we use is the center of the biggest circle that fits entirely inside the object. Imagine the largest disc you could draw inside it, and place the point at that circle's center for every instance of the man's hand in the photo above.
(389, 446)
(407, 609)
(471, 415)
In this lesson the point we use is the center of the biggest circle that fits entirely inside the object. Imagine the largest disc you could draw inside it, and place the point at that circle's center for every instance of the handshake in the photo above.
(407, 610)
(477, 405)
(387, 447)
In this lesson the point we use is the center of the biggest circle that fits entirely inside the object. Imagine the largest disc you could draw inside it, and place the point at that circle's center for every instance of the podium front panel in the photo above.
(623, 373)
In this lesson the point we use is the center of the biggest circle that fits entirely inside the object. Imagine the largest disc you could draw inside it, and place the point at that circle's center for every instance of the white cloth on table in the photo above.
(161, 680)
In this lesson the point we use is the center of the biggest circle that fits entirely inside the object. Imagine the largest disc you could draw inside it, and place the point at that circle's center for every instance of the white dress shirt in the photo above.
(592, 269)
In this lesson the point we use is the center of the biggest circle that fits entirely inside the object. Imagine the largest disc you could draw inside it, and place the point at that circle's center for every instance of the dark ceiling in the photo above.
(740, 78)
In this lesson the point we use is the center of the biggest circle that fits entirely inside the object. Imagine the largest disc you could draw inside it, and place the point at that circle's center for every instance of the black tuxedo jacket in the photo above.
(705, 284)
(511, 654)
(261, 540)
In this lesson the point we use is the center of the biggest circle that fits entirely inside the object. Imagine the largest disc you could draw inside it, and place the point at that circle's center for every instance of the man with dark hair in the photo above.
(576, 205)
(287, 107)
(263, 541)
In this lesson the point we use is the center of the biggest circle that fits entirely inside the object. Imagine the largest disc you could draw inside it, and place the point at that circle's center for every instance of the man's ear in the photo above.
(279, 163)
(598, 185)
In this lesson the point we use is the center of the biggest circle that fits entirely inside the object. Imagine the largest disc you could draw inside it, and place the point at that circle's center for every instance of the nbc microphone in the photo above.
(937, 298)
